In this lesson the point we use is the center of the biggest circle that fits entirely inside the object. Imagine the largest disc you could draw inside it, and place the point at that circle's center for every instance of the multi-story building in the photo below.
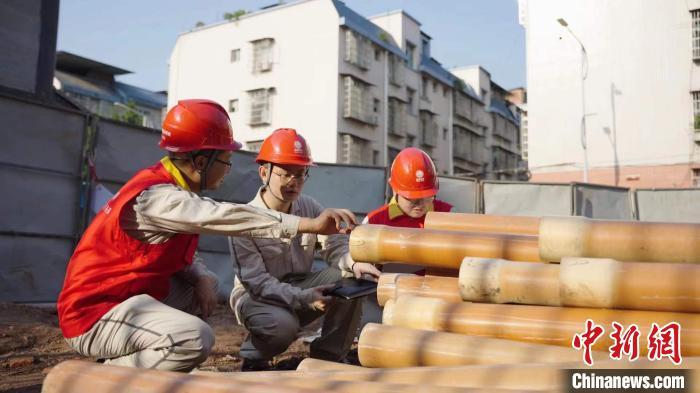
(359, 89)
(92, 84)
(501, 128)
(625, 72)
(518, 98)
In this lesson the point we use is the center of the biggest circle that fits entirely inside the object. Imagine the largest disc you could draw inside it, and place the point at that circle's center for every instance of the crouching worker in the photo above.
(134, 280)
(276, 293)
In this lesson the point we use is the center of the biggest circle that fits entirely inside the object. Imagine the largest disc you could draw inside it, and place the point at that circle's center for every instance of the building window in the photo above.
(396, 117)
(424, 88)
(377, 57)
(232, 106)
(410, 141)
(357, 49)
(410, 54)
(444, 91)
(375, 107)
(411, 96)
(358, 101)
(355, 150)
(428, 129)
(696, 34)
(235, 55)
(262, 55)
(444, 134)
(696, 177)
(392, 153)
(260, 104)
(253, 145)
(435, 87)
(375, 157)
(395, 70)
(696, 110)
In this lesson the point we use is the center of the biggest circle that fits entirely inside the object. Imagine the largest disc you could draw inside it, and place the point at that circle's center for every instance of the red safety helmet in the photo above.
(197, 125)
(285, 147)
(413, 174)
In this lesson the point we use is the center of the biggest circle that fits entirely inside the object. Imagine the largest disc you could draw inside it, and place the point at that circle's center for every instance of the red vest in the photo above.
(108, 266)
(380, 216)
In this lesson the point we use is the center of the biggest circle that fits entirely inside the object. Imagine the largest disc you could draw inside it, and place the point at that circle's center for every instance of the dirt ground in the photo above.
(31, 343)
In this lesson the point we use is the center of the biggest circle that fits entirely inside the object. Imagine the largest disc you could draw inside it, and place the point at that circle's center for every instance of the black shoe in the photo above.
(255, 365)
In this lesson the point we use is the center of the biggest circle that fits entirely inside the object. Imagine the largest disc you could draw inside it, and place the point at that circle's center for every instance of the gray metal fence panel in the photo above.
(221, 265)
(242, 182)
(38, 202)
(32, 269)
(41, 137)
(602, 202)
(527, 199)
(460, 193)
(669, 205)
(360, 189)
(213, 243)
(122, 150)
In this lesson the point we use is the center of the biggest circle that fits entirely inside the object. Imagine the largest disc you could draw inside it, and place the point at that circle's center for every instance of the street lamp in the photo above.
(584, 74)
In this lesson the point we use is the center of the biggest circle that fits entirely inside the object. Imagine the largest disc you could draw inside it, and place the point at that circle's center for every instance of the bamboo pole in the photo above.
(393, 285)
(535, 324)
(621, 240)
(391, 346)
(74, 376)
(380, 244)
(583, 282)
(485, 223)
(534, 376)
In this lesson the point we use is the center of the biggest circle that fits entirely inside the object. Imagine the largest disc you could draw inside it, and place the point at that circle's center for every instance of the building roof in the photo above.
(433, 68)
(399, 11)
(79, 65)
(141, 96)
(116, 92)
(364, 26)
(500, 107)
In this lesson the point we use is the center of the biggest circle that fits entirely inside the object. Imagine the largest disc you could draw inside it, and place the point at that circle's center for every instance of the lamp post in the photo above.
(584, 74)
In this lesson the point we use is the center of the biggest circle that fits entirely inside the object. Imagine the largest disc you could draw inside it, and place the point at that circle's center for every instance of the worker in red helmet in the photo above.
(414, 182)
(134, 280)
(275, 293)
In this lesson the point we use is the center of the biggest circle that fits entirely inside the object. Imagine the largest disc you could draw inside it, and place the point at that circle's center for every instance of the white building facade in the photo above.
(638, 80)
(359, 89)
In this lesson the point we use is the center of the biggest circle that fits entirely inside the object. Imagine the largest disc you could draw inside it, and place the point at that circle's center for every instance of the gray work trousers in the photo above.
(273, 328)
(146, 333)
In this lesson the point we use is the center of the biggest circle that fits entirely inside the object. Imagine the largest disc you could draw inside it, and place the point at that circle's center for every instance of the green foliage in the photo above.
(459, 84)
(234, 15)
(130, 115)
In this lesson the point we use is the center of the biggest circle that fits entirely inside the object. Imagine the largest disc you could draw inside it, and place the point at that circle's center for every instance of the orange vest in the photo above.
(381, 216)
(108, 266)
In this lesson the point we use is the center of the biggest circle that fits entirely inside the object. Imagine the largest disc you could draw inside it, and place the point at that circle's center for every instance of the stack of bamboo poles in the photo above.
(526, 286)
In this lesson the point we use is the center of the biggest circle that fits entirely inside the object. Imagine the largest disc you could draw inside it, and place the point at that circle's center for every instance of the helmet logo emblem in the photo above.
(298, 147)
(420, 176)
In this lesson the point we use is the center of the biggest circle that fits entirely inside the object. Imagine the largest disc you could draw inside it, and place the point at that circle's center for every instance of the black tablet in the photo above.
(350, 288)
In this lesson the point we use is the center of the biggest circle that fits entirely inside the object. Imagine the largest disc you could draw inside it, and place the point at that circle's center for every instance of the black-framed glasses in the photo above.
(287, 178)
(228, 164)
(419, 201)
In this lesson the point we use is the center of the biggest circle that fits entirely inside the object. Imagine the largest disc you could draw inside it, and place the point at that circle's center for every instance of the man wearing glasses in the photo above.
(134, 283)
(275, 292)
